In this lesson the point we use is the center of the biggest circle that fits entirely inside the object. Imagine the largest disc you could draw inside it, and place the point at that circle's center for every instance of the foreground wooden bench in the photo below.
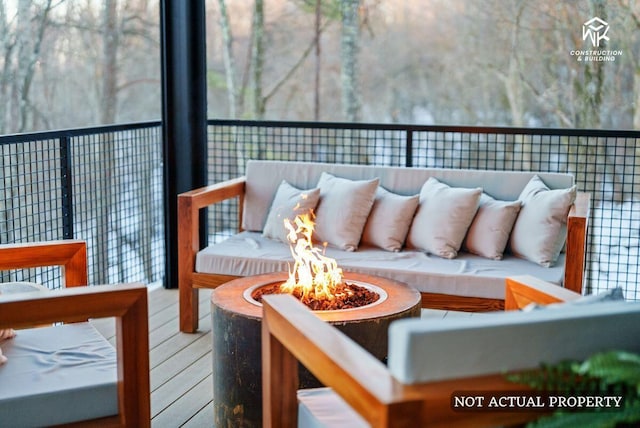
(372, 392)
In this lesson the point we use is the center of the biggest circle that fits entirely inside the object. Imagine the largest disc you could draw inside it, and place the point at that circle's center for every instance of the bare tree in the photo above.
(229, 62)
(349, 58)
(318, 51)
(257, 59)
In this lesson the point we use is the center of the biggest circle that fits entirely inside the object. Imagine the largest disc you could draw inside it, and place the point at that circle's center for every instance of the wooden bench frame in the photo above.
(127, 303)
(189, 281)
(291, 333)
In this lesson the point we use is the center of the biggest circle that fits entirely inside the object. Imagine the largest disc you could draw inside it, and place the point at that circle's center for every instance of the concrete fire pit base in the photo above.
(237, 365)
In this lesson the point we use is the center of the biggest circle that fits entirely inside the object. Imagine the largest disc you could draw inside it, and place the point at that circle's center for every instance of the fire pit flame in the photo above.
(313, 275)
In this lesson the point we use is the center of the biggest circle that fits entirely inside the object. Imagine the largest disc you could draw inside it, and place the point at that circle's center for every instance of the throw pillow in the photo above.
(541, 227)
(389, 220)
(343, 210)
(489, 232)
(443, 217)
(288, 202)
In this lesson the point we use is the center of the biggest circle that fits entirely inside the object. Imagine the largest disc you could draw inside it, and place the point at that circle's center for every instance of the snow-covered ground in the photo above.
(615, 248)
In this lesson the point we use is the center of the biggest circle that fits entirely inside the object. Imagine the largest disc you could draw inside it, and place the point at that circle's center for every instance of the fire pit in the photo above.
(361, 306)
(236, 317)
(351, 295)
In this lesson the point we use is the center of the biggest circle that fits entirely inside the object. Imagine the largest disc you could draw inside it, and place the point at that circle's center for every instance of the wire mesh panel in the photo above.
(102, 185)
(605, 164)
(232, 143)
(118, 204)
(31, 189)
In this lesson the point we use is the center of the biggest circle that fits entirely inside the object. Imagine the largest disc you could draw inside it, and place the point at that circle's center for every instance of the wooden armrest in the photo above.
(581, 206)
(205, 196)
(577, 223)
(189, 205)
(70, 254)
(525, 289)
(292, 333)
(128, 304)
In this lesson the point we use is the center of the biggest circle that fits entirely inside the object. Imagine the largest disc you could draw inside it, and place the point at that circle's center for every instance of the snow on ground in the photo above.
(615, 245)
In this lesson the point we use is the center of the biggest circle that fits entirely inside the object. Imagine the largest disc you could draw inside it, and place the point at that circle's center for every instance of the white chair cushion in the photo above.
(432, 350)
(57, 375)
(250, 253)
(264, 177)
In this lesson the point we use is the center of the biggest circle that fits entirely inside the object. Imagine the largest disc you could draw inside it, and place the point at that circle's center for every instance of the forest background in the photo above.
(74, 63)
(79, 63)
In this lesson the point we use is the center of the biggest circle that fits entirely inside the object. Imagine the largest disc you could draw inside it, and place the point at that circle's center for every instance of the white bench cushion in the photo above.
(264, 178)
(57, 375)
(249, 253)
(431, 350)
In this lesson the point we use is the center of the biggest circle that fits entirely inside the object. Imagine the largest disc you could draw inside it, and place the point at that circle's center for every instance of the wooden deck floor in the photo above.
(181, 383)
(181, 365)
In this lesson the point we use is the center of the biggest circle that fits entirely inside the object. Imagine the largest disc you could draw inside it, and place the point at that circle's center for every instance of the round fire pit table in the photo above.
(236, 318)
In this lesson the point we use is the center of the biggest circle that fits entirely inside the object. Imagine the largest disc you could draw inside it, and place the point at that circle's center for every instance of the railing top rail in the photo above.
(617, 133)
(74, 132)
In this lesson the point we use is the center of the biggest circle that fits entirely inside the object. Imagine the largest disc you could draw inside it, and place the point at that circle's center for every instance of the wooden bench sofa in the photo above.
(467, 282)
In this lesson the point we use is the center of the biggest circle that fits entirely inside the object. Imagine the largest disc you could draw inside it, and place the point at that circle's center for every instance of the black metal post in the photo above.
(408, 155)
(66, 175)
(184, 114)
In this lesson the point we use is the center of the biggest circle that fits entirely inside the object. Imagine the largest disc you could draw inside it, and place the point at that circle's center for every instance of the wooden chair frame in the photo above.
(70, 254)
(127, 303)
(189, 281)
(291, 334)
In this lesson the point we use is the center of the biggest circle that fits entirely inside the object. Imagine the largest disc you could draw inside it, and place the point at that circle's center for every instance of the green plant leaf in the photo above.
(613, 367)
(627, 415)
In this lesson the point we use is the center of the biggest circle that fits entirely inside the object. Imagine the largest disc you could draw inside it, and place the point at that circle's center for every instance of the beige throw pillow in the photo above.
(288, 202)
(541, 228)
(443, 217)
(389, 220)
(343, 210)
(489, 232)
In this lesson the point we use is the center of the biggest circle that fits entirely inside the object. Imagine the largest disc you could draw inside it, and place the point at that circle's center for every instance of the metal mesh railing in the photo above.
(103, 185)
(604, 163)
(31, 189)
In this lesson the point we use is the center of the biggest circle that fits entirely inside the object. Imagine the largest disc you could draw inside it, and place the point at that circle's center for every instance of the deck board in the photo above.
(181, 366)
(181, 382)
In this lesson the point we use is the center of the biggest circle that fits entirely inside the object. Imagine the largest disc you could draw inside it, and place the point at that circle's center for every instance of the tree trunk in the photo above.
(316, 85)
(257, 59)
(229, 63)
(349, 59)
